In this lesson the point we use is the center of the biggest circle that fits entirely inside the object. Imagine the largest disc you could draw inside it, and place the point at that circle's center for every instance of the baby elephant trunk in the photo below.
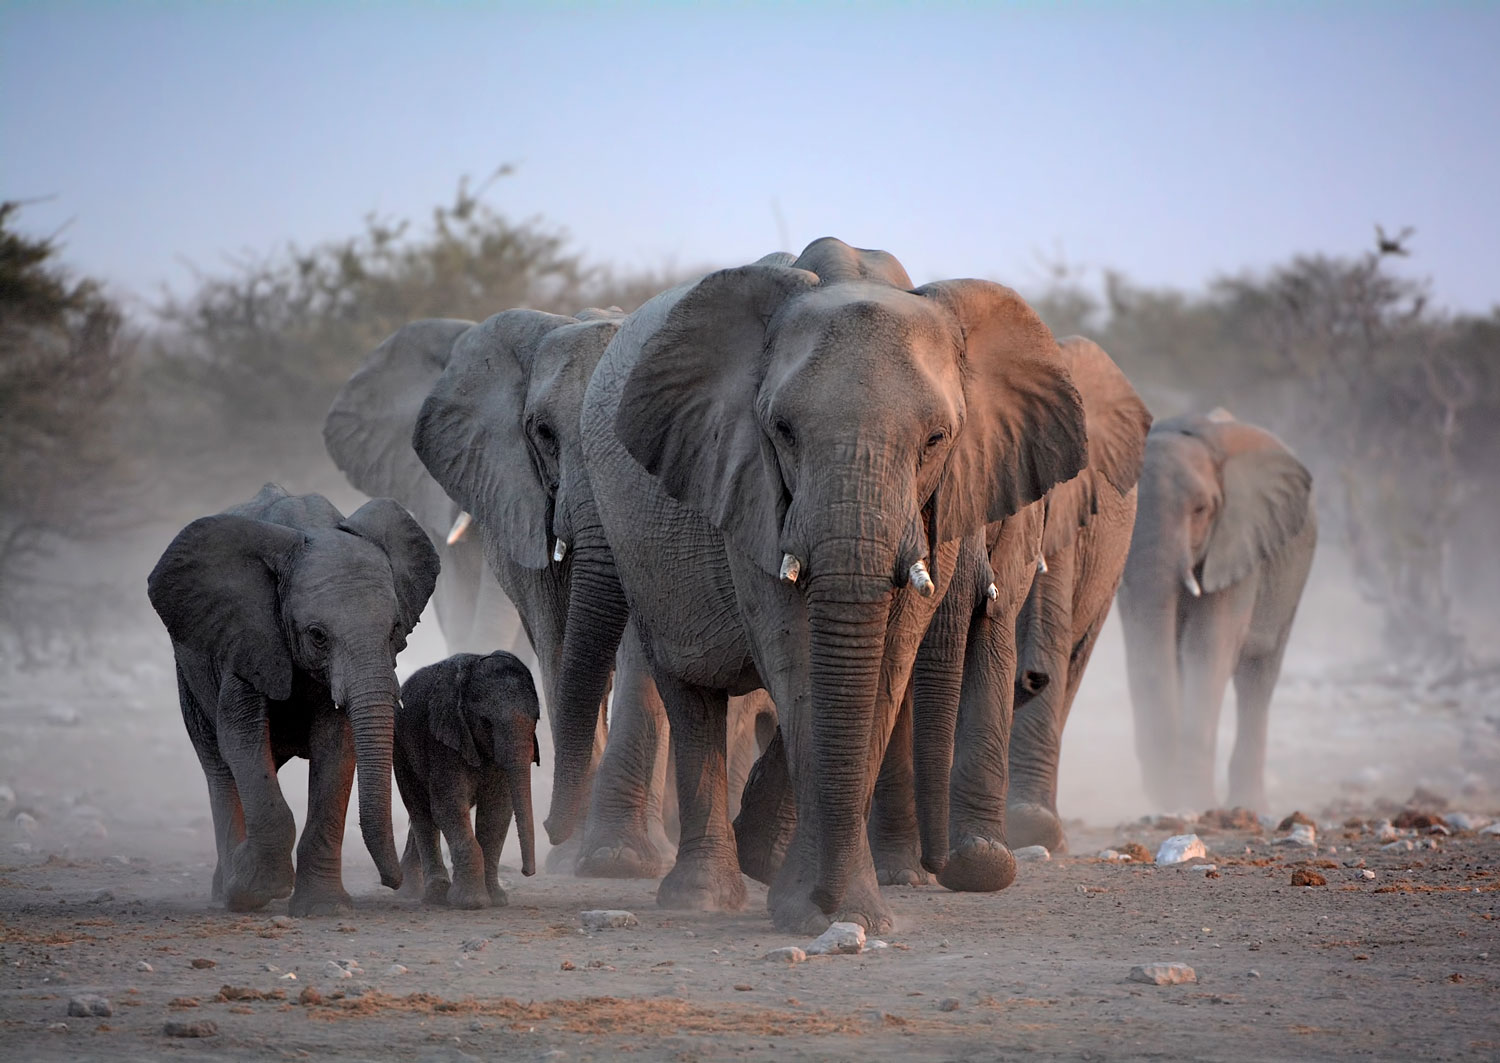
(519, 777)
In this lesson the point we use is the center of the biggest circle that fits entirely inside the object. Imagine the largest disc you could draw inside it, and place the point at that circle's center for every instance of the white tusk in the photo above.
(559, 550)
(791, 568)
(1041, 564)
(921, 579)
(460, 527)
(992, 592)
(1190, 582)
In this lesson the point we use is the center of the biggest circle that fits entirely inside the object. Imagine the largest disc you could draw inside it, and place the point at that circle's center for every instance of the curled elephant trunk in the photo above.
(597, 614)
(372, 715)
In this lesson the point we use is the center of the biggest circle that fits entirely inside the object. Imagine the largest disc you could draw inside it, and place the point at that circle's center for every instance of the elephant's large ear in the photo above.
(215, 590)
(688, 410)
(414, 562)
(447, 719)
(1024, 429)
(1267, 497)
(470, 436)
(369, 426)
(1117, 422)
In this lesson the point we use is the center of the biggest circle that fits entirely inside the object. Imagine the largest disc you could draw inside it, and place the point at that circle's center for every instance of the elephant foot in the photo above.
(412, 884)
(703, 883)
(255, 881)
(636, 858)
(319, 899)
(978, 865)
(1028, 823)
(463, 895)
(1253, 799)
(435, 892)
(562, 859)
(498, 897)
(900, 865)
(218, 888)
(793, 910)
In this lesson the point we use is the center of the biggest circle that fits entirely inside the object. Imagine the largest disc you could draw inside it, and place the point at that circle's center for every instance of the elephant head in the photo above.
(838, 425)
(499, 433)
(487, 713)
(331, 599)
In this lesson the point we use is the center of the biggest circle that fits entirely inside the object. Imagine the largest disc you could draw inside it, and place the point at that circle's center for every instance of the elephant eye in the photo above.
(784, 430)
(936, 438)
(317, 636)
(545, 434)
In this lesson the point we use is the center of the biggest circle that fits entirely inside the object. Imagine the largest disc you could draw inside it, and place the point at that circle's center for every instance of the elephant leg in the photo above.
(768, 813)
(1044, 638)
(894, 843)
(411, 866)
(1211, 639)
(450, 810)
(228, 817)
(429, 846)
(706, 876)
(617, 839)
(260, 866)
(1254, 681)
(330, 776)
(491, 824)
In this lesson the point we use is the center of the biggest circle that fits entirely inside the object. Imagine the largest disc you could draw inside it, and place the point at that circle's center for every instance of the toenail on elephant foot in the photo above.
(702, 886)
(978, 865)
(902, 876)
(627, 860)
(1027, 823)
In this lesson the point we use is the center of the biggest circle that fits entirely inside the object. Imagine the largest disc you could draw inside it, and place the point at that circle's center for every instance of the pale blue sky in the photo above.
(1170, 140)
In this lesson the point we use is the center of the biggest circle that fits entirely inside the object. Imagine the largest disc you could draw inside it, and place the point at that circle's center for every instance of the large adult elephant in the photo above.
(286, 618)
(368, 434)
(784, 459)
(1085, 540)
(1223, 541)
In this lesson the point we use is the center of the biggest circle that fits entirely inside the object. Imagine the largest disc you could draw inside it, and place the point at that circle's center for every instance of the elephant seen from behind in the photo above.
(1224, 538)
(286, 618)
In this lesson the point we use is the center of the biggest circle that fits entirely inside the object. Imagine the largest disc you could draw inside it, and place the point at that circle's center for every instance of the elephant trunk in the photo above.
(937, 681)
(371, 706)
(1149, 596)
(597, 614)
(848, 615)
(519, 777)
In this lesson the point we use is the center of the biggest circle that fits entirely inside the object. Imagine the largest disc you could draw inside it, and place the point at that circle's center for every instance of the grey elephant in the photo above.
(1224, 538)
(286, 618)
(784, 459)
(368, 434)
(466, 740)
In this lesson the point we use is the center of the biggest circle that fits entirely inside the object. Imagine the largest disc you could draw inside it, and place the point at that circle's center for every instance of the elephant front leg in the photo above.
(330, 776)
(706, 876)
(491, 824)
(259, 867)
(894, 842)
(451, 811)
(1043, 683)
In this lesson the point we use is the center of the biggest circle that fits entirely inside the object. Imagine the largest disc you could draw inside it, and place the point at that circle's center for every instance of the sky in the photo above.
(1172, 141)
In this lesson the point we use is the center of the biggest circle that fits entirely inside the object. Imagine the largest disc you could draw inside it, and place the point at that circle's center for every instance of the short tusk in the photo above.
(1041, 564)
(992, 592)
(921, 579)
(791, 568)
(559, 550)
(1190, 582)
(460, 527)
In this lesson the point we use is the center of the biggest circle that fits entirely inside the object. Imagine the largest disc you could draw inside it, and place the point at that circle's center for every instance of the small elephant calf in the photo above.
(466, 738)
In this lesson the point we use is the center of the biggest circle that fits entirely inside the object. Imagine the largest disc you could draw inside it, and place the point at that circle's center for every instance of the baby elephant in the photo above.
(466, 737)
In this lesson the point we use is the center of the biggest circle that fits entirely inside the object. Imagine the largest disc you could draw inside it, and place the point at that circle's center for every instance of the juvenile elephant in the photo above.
(1224, 537)
(784, 459)
(286, 618)
(466, 739)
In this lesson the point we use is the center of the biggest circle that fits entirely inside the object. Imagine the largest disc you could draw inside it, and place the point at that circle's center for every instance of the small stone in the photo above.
(1402, 845)
(290, 976)
(789, 954)
(144, 967)
(1295, 818)
(1204, 869)
(1357, 862)
(395, 969)
(567, 965)
(1252, 973)
(283, 922)
(1163, 974)
(270, 968)
(1306, 877)
(84, 1006)
(1180, 848)
(608, 919)
(742, 987)
(838, 939)
(309, 996)
(1302, 836)
(1492, 830)
(102, 896)
(201, 1028)
(1031, 854)
(1112, 855)
(25, 822)
(474, 945)
(1463, 821)
(1135, 851)
(876, 944)
(337, 970)
(1367, 875)
(201, 964)
(1385, 831)
(183, 1002)
(949, 1004)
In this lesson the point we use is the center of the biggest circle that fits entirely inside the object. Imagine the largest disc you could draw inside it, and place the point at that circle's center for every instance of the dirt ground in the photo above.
(106, 858)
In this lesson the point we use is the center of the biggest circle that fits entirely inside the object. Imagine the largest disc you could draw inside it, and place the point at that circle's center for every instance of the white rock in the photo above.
(1367, 874)
(838, 939)
(89, 1004)
(789, 955)
(271, 967)
(396, 968)
(290, 976)
(1163, 974)
(876, 943)
(1113, 855)
(1180, 848)
(1462, 821)
(1403, 845)
(609, 919)
(1031, 854)
(25, 822)
(283, 921)
(144, 967)
(1204, 869)
(1492, 829)
(1301, 836)
(335, 970)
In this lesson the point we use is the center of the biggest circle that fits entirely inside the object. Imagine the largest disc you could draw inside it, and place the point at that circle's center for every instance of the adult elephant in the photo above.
(286, 618)
(499, 432)
(778, 454)
(368, 434)
(1085, 540)
(1223, 541)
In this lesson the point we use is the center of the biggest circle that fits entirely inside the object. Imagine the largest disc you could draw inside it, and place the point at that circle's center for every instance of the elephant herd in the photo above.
(835, 547)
